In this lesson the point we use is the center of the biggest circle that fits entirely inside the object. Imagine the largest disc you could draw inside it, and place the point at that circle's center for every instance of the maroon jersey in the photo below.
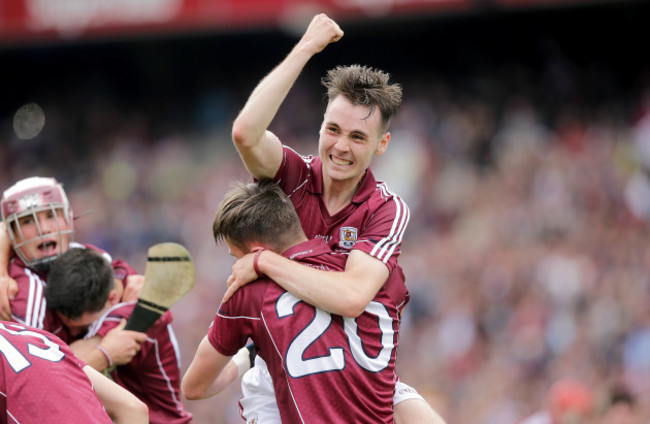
(373, 222)
(153, 375)
(41, 381)
(29, 306)
(324, 368)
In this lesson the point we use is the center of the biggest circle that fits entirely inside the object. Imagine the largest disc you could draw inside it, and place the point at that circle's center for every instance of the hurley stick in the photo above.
(168, 276)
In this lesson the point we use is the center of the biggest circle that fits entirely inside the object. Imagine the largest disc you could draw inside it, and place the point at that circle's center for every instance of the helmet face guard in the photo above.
(30, 198)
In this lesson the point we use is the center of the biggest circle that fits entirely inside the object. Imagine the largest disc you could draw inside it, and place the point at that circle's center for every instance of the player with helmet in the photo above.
(38, 223)
(335, 194)
(38, 220)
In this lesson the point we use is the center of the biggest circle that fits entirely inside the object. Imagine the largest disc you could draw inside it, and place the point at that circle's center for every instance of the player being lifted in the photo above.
(324, 368)
(335, 195)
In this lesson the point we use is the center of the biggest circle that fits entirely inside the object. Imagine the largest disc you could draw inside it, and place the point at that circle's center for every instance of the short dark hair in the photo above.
(365, 86)
(80, 281)
(257, 212)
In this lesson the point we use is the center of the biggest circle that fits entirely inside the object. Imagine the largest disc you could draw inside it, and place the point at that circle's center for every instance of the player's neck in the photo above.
(119, 288)
(337, 194)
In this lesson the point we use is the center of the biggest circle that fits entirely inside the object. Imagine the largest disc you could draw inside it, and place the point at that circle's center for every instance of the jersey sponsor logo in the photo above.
(348, 237)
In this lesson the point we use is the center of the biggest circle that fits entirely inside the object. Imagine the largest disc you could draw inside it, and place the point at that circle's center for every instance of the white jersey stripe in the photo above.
(400, 235)
(237, 317)
(35, 301)
(41, 317)
(172, 339)
(161, 368)
(286, 374)
(384, 249)
(30, 298)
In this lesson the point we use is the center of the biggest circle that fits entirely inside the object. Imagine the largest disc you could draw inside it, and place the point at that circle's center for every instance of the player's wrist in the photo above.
(256, 263)
(243, 360)
(106, 354)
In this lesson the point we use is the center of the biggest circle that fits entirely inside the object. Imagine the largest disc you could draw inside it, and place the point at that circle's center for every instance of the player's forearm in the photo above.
(121, 405)
(204, 375)
(342, 293)
(264, 102)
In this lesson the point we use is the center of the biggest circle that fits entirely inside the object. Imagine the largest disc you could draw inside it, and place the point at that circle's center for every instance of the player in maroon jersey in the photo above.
(335, 194)
(83, 294)
(308, 351)
(39, 227)
(42, 381)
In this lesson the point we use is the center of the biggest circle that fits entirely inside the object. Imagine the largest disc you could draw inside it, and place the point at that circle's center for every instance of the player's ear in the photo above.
(113, 297)
(383, 144)
(255, 247)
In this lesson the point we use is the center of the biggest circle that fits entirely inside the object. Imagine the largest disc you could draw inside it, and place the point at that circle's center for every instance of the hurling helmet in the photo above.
(27, 198)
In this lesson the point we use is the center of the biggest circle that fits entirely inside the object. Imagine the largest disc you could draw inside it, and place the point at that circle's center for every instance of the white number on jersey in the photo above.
(335, 361)
(16, 359)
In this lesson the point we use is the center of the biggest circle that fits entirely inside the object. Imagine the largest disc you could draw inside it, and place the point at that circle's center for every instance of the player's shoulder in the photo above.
(105, 254)
(382, 196)
(383, 191)
(111, 318)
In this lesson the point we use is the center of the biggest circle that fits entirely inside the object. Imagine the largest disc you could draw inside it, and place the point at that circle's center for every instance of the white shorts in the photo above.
(258, 401)
(258, 405)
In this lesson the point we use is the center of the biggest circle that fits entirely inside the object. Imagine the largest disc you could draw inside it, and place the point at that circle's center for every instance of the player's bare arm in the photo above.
(8, 286)
(122, 406)
(208, 374)
(345, 293)
(118, 347)
(416, 411)
(260, 150)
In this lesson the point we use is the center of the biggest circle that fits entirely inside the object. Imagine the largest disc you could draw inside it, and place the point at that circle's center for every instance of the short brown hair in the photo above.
(257, 212)
(364, 86)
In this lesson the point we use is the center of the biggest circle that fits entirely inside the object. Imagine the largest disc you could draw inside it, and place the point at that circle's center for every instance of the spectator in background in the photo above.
(569, 402)
(492, 323)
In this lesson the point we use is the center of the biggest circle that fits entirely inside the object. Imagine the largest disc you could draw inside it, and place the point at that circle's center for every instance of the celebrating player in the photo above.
(39, 226)
(308, 351)
(84, 295)
(42, 381)
(335, 194)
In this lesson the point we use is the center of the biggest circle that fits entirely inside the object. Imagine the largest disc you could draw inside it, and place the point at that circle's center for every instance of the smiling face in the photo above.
(349, 138)
(41, 235)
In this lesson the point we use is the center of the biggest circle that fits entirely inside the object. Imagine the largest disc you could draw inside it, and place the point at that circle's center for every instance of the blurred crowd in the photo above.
(527, 255)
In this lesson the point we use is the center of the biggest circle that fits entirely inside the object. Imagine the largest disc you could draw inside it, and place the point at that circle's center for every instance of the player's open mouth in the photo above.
(47, 248)
(339, 161)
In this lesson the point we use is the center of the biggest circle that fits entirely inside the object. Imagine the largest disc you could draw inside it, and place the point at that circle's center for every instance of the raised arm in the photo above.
(261, 150)
(345, 293)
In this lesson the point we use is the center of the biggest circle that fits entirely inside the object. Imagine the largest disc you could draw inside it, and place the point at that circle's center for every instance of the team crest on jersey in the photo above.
(348, 237)
(29, 200)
